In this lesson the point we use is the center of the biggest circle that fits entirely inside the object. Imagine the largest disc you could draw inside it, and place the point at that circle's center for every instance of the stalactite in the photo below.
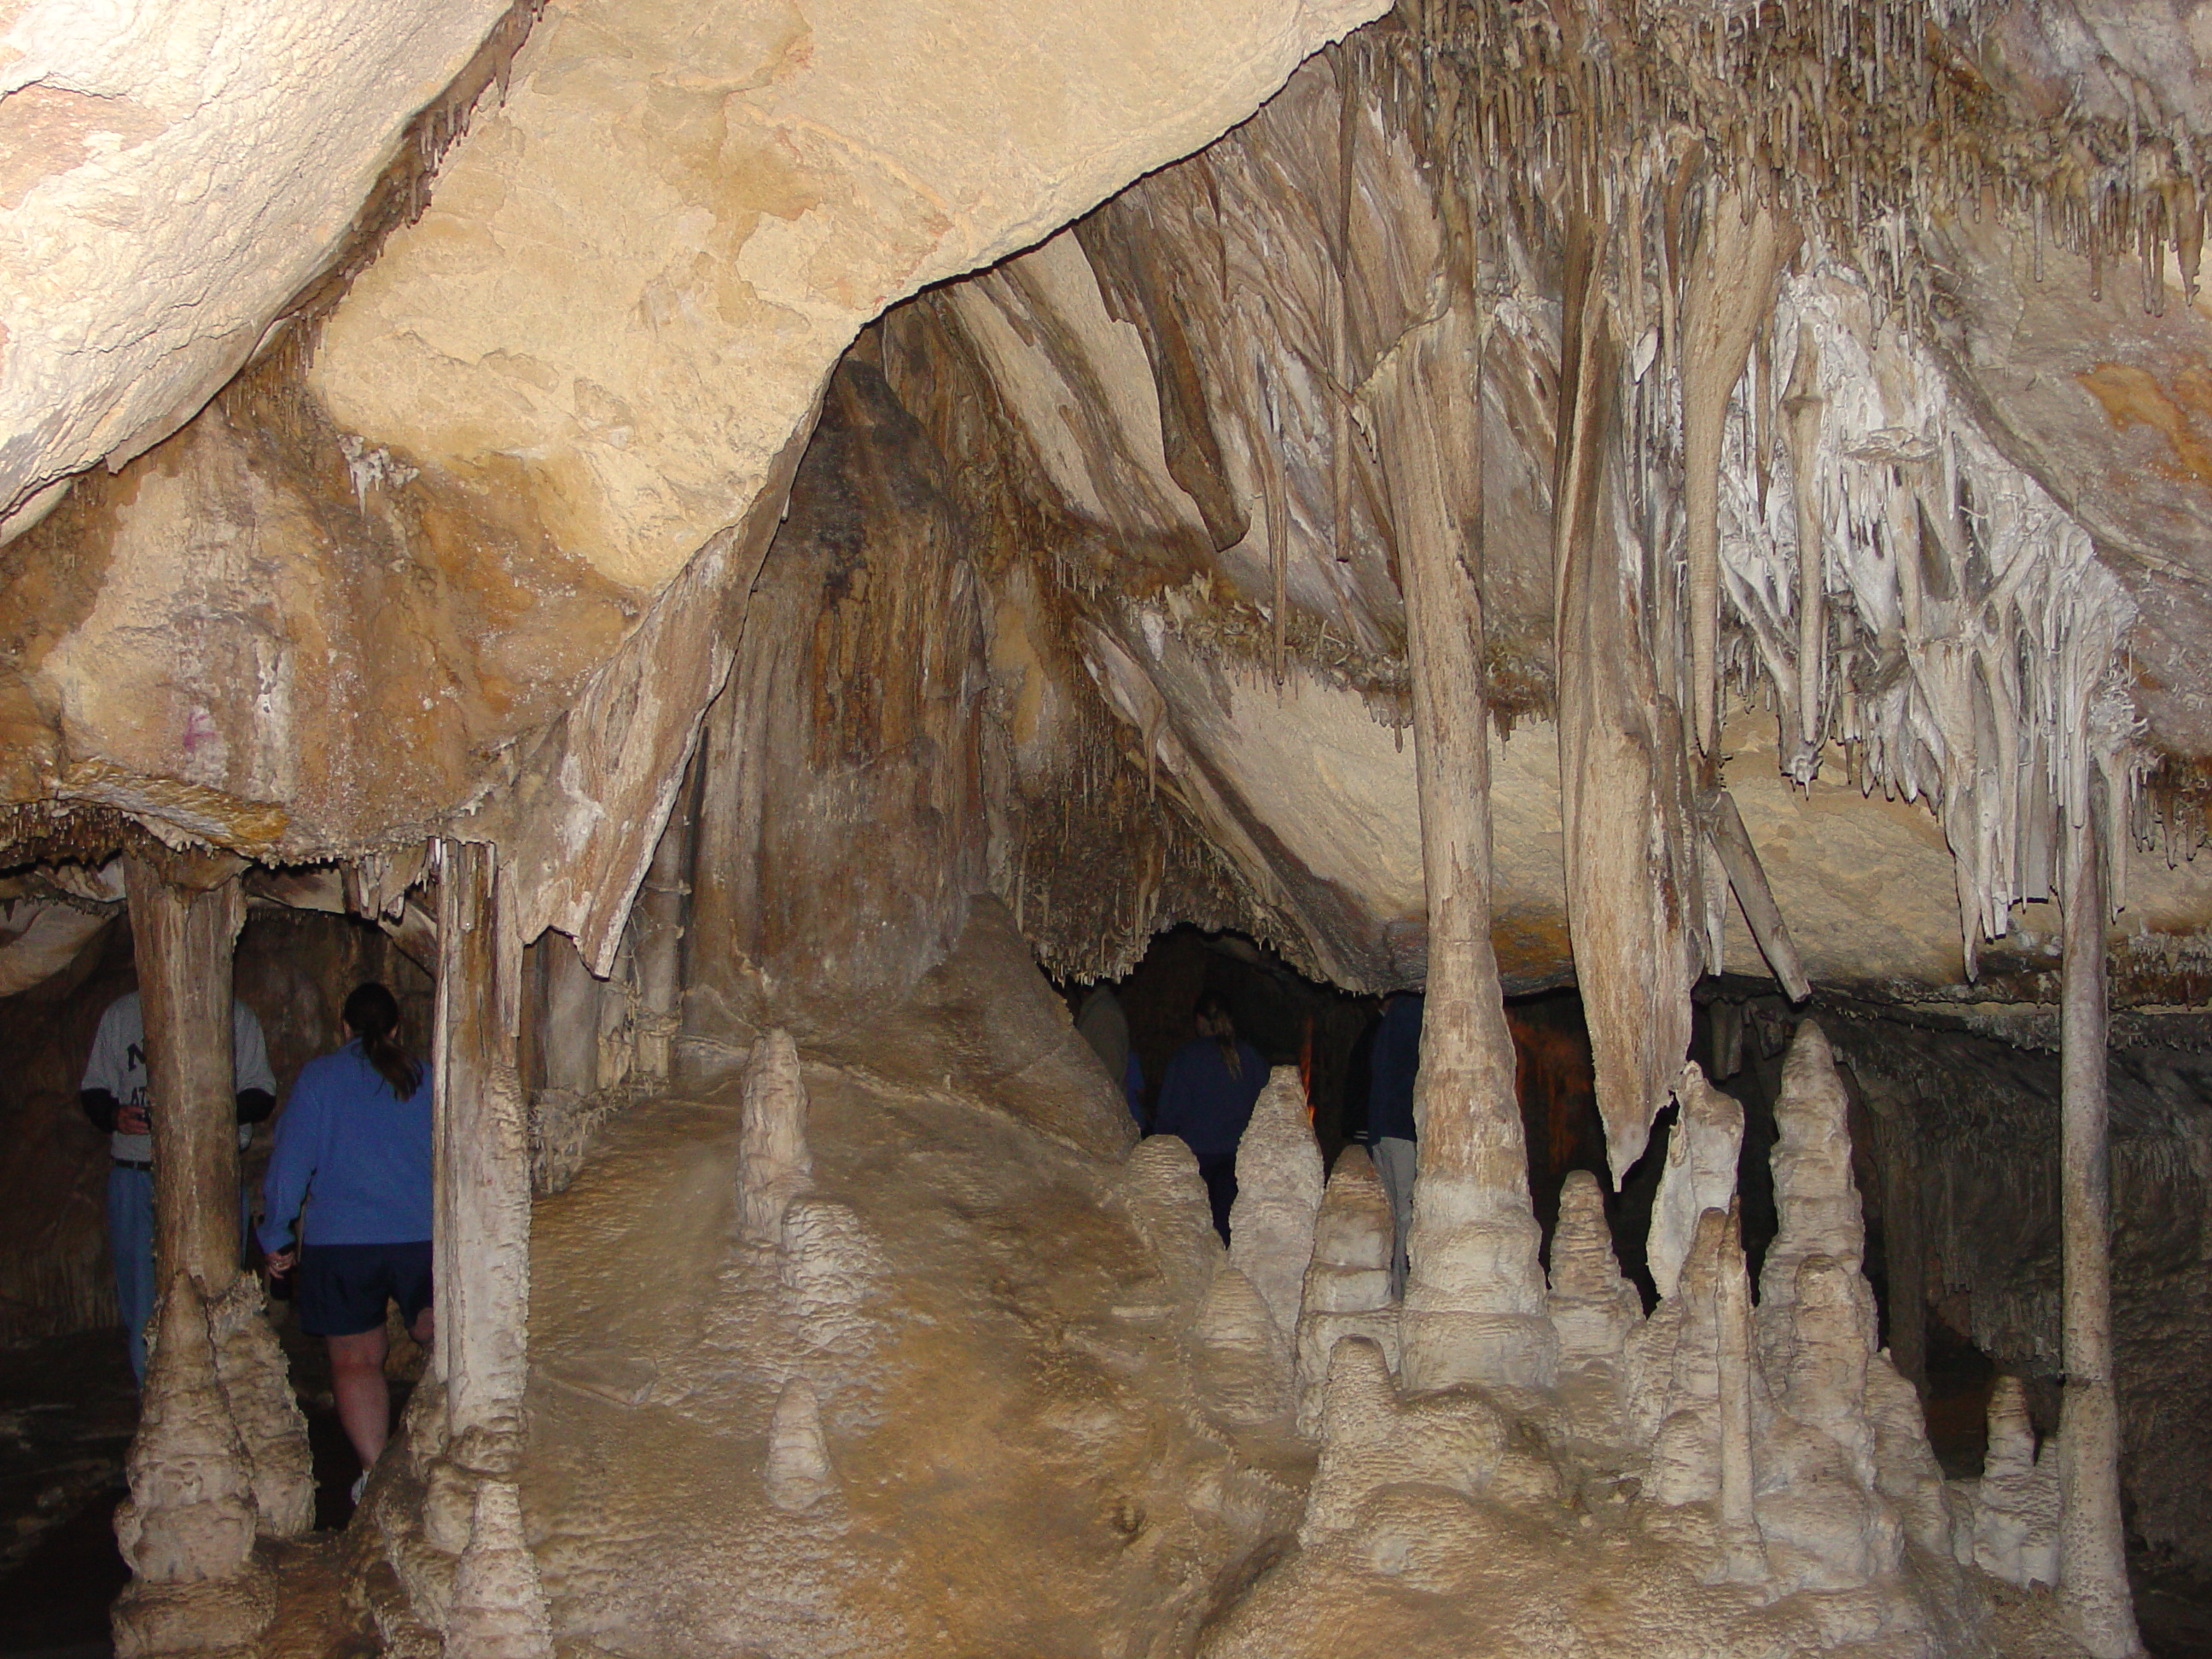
(1802, 407)
(1731, 289)
(1631, 894)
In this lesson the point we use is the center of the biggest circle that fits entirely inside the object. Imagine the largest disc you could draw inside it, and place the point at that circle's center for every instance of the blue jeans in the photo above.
(130, 1241)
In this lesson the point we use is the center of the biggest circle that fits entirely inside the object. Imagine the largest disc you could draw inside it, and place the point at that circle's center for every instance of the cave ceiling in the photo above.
(406, 469)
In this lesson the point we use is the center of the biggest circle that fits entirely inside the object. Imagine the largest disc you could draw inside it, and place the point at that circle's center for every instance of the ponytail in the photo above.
(1214, 1021)
(373, 1014)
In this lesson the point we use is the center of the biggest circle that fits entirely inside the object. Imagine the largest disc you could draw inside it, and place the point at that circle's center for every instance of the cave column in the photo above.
(659, 919)
(221, 1454)
(1474, 1308)
(2092, 1576)
(482, 1263)
(183, 927)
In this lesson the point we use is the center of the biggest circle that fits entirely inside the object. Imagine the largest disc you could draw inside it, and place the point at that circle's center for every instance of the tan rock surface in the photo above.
(636, 274)
(167, 185)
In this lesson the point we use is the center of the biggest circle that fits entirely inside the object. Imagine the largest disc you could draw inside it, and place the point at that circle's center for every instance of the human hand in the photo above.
(132, 1121)
(281, 1262)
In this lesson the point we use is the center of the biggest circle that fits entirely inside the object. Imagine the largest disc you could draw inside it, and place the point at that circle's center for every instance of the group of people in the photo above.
(346, 1205)
(1211, 1084)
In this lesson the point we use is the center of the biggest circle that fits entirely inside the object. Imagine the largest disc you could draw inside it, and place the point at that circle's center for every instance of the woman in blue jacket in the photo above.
(351, 1166)
(1206, 1095)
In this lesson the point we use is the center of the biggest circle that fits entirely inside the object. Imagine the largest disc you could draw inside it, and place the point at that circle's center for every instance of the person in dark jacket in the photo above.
(352, 1168)
(1393, 1067)
(1206, 1097)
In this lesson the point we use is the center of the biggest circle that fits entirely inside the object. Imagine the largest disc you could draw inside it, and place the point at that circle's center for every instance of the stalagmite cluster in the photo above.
(1764, 1466)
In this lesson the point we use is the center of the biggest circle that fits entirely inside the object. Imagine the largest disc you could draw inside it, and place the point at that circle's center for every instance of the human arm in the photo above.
(291, 1169)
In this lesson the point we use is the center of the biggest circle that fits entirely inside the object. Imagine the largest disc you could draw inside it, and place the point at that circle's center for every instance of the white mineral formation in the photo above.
(257, 1386)
(1347, 1285)
(187, 1529)
(1279, 1193)
(1166, 1199)
(1372, 1437)
(1816, 1201)
(1700, 1172)
(774, 1166)
(2012, 1512)
(1593, 1308)
(798, 1475)
(1826, 1525)
(1473, 1309)
(1245, 1356)
(499, 1605)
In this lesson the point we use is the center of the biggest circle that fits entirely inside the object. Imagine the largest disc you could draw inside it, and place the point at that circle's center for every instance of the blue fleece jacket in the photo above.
(1393, 1065)
(356, 1154)
(1202, 1101)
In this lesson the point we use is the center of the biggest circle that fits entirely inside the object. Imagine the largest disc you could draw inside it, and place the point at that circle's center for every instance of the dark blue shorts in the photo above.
(343, 1287)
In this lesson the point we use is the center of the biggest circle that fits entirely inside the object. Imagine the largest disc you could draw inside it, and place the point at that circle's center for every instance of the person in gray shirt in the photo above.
(113, 1094)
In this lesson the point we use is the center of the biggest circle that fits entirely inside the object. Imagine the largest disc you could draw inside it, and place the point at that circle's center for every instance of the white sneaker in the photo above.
(359, 1481)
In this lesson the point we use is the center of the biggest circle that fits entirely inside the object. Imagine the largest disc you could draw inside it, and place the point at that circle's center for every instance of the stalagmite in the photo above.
(797, 1475)
(2013, 1510)
(2092, 1576)
(1279, 1195)
(1702, 1152)
(1687, 1458)
(1347, 1285)
(774, 1166)
(1744, 1552)
(1630, 857)
(1593, 1309)
(1165, 1197)
(1816, 1202)
(499, 1608)
(1246, 1369)
(482, 1255)
(257, 1386)
(1731, 290)
(1475, 1294)
(1372, 1436)
(187, 1530)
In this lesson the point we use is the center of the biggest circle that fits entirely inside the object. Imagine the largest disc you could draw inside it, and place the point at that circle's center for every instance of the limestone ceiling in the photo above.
(468, 548)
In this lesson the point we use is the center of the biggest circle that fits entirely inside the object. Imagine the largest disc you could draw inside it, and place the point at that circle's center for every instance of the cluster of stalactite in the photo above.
(1854, 118)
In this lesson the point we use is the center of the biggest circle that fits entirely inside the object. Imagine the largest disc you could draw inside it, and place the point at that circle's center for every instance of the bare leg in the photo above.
(364, 1402)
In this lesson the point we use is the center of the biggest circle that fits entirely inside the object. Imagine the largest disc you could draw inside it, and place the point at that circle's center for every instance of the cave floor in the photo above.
(67, 1409)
